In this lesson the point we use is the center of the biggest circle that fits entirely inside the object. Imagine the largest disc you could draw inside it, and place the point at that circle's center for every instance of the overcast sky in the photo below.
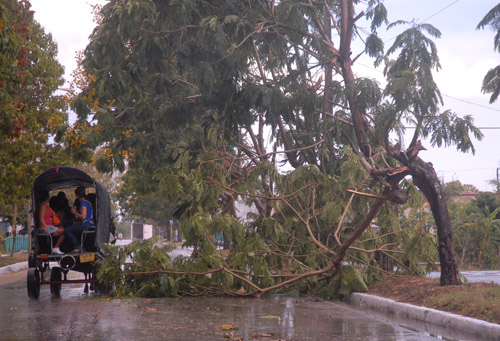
(465, 54)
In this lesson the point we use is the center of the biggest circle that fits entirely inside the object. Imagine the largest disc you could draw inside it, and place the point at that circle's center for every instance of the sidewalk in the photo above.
(13, 268)
(435, 322)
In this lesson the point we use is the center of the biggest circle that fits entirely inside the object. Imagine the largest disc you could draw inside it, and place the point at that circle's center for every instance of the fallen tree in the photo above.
(213, 100)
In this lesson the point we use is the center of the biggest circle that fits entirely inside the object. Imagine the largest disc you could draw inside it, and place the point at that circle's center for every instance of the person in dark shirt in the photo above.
(84, 213)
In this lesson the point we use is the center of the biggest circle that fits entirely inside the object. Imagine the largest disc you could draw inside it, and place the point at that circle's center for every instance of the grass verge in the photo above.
(477, 300)
(7, 259)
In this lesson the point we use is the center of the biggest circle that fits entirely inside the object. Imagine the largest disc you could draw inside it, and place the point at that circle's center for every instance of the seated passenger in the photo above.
(49, 221)
(65, 214)
(92, 198)
(55, 205)
(85, 213)
(77, 205)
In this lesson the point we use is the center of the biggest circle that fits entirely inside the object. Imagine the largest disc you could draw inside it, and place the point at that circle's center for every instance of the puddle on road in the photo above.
(78, 316)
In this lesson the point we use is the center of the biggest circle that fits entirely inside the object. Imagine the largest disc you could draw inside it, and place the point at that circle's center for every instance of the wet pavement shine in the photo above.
(485, 276)
(76, 316)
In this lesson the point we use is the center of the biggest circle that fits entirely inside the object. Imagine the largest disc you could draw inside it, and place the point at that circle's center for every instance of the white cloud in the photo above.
(461, 75)
(70, 23)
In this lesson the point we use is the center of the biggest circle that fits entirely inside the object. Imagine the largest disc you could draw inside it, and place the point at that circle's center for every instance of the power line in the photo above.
(480, 128)
(468, 102)
(441, 10)
(432, 16)
(445, 95)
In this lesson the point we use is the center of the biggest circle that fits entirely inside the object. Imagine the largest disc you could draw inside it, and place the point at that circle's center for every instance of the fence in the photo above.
(21, 244)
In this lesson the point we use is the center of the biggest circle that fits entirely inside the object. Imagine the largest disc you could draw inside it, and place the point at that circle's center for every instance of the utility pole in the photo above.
(498, 180)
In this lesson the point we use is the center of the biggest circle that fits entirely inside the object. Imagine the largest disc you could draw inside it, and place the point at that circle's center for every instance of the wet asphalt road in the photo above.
(487, 276)
(76, 316)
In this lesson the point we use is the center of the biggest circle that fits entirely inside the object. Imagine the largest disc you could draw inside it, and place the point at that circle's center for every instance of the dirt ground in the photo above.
(476, 300)
(6, 259)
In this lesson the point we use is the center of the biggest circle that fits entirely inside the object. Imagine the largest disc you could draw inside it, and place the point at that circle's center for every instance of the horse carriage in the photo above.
(43, 262)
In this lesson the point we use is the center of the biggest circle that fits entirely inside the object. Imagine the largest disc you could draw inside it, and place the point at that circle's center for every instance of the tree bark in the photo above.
(479, 256)
(14, 223)
(425, 177)
(382, 260)
(464, 248)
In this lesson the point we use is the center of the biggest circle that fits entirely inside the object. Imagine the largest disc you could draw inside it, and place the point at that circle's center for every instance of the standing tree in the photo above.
(211, 96)
(476, 227)
(139, 200)
(29, 113)
(491, 82)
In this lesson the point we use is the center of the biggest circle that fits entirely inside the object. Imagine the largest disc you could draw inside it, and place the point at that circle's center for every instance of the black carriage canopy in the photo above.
(68, 177)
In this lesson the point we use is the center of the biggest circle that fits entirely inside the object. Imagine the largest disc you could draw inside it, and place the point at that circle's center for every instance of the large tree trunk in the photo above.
(424, 176)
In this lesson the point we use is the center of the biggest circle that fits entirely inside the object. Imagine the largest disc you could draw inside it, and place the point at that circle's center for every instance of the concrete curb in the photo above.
(433, 321)
(13, 268)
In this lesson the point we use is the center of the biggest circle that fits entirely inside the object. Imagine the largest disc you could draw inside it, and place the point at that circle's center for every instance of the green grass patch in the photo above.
(474, 300)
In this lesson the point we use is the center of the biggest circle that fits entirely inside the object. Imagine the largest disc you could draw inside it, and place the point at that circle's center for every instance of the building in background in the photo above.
(141, 231)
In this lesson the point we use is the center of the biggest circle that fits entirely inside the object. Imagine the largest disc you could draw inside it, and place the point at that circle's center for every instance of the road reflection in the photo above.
(76, 316)
(492, 276)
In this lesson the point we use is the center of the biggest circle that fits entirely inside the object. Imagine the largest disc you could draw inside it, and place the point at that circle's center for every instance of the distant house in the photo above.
(141, 231)
(465, 197)
(243, 210)
(469, 194)
(5, 228)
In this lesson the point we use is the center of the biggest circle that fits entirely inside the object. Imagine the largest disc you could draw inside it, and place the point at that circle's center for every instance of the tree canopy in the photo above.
(220, 101)
(32, 120)
(491, 81)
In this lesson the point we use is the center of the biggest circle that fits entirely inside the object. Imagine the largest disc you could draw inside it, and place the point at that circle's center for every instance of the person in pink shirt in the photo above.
(49, 221)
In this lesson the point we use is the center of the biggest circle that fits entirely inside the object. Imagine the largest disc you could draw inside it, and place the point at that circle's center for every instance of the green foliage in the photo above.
(144, 256)
(419, 247)
(377, 13)
(491, 83)
(203, 102)
(453, 189)
(477, 231)
(374, 45)
(32, 119)
(410, 77)
(492, 19)
(141, 198)
(344, 283)
(450, 129)
(123, 227)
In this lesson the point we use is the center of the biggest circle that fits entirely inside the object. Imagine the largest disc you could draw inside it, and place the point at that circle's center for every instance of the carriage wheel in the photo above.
(99, 288)
(55, 276)
(31, 260)
(33, 283)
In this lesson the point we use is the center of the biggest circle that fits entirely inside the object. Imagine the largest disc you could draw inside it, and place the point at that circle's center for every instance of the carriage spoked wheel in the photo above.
(33, 283)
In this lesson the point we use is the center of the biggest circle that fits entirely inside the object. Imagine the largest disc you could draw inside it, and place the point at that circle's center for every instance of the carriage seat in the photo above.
(44, 242)
(88, 239)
